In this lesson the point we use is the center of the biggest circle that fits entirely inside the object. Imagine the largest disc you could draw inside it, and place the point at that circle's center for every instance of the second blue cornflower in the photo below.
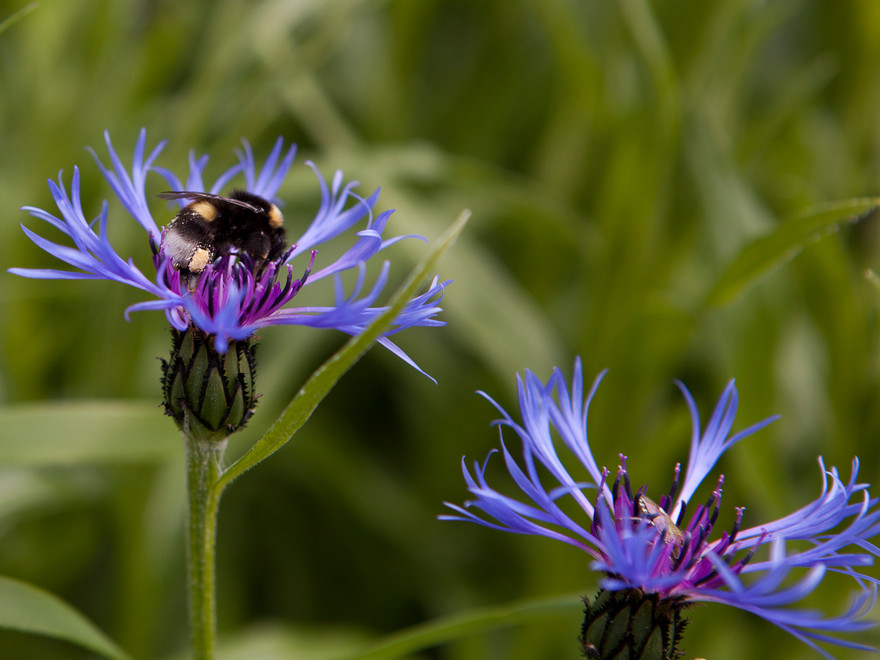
(655, 559)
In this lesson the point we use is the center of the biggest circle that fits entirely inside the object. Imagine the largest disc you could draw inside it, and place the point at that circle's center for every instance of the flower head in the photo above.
(656, 547)
(232, 295)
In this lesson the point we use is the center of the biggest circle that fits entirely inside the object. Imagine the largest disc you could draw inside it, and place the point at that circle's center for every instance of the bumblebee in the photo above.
(211, 226)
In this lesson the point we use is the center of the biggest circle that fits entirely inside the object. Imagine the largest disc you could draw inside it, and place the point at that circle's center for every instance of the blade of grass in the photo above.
(30, 609)
(469, 623)
(85, 432)
(782, 245)
(15, 17)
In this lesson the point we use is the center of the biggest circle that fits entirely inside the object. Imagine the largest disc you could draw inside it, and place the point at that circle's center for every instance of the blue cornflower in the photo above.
(232, 299)
(654, 549)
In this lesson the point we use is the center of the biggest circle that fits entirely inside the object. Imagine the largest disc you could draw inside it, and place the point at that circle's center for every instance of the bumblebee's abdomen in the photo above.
(189, 241)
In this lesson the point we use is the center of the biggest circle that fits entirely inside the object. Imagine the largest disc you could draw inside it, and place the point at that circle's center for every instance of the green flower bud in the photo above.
(632, 625)
(209, 395)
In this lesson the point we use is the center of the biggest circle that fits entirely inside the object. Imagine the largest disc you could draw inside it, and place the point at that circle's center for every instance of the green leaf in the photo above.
(326, 376)
(87, 431)
(12, 19)
(30, 609)
(769, 252)
(463, 625)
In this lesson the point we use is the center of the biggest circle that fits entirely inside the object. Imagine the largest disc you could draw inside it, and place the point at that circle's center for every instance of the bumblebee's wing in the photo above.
(207, 197)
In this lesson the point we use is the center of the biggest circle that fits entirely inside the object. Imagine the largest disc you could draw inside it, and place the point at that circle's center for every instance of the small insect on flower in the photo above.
(657, 516)
(211, 226)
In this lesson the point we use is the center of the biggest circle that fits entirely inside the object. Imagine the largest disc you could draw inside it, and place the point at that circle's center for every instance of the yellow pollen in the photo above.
(199, 260)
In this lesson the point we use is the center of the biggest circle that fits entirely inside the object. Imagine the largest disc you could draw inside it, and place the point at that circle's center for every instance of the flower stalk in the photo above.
(204, 465)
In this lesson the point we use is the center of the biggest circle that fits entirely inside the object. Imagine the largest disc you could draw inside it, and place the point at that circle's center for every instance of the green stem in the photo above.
(203, 467)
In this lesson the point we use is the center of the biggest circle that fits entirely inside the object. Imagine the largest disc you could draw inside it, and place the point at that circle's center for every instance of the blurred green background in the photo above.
(617, 156)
